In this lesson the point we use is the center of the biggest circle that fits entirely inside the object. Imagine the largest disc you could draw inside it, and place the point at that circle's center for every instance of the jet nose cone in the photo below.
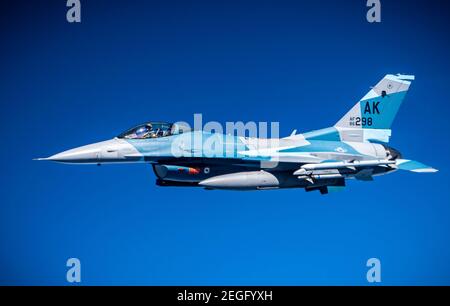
(113, 150)
(86, 154)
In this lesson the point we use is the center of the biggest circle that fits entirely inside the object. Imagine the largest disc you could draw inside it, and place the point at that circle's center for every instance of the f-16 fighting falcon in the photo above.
(354, 148)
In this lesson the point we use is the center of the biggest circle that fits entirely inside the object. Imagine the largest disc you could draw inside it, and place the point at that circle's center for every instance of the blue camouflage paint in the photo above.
(323, 146)
(329, 134)
(412, 165)
(193, 144)
(381, 111)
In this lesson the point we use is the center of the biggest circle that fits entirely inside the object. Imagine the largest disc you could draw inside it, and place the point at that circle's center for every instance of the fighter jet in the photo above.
(356, 147)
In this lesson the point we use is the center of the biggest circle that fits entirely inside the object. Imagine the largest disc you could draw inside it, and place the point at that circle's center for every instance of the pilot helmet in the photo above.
(143, 130)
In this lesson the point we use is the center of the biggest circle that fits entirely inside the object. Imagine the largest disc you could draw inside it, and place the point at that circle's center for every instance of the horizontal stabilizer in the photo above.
(414, 166)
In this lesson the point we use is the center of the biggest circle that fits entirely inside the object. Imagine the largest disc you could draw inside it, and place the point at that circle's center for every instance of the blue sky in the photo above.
(302, 63)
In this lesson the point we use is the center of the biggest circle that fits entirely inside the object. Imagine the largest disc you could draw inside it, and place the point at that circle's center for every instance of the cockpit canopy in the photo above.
(154, 130)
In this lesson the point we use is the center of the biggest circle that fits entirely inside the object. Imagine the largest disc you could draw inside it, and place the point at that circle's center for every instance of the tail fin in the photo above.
(371, 118)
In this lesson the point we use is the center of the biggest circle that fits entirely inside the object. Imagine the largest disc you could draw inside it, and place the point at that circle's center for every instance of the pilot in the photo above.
(144, 131)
